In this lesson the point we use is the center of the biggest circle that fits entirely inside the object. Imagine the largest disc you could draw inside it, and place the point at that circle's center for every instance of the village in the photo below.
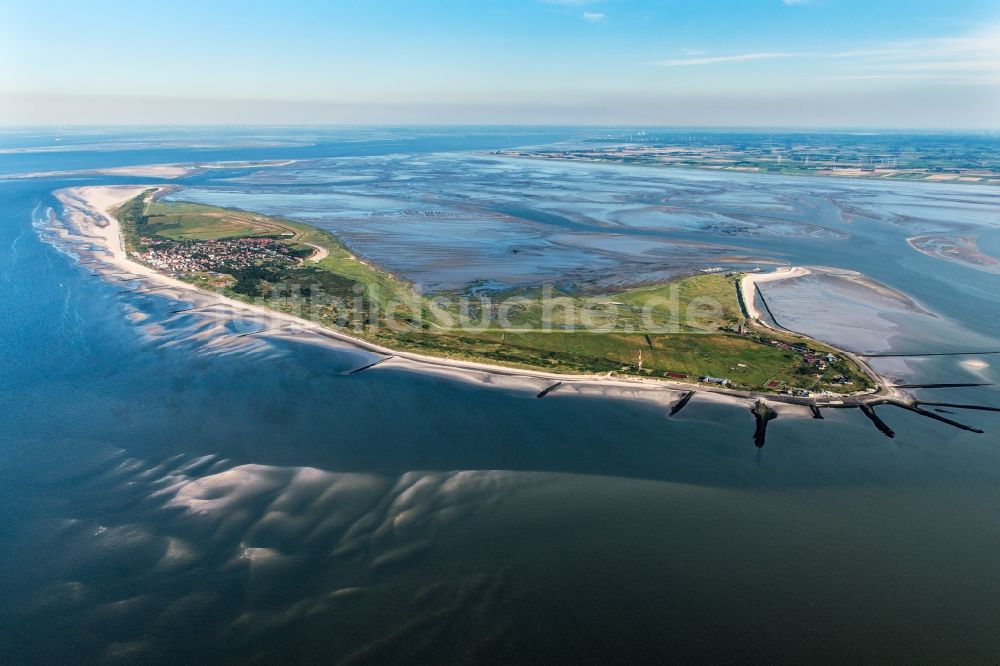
(225, 255)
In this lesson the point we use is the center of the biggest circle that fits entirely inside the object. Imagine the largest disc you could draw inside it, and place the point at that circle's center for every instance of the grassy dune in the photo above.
(189, 221)
(697, 295)
(746, 363)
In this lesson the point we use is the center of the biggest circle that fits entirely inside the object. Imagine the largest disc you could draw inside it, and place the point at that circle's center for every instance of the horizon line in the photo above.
(471, 124)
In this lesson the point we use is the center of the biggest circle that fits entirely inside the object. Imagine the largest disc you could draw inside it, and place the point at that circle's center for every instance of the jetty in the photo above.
(369, 366)
(763, 414)
(868, 411)
(545, 392)
(685, 399)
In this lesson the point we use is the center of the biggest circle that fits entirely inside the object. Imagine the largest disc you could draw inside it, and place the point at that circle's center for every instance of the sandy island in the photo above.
(150, 170)
(88, 219)
(144, 171)
(958, 249)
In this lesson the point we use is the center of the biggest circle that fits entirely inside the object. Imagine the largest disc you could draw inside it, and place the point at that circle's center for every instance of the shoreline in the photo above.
(169, 171)
(749, 282)
(954, 248)
(88, 208)
(995, 182)
(748, 298)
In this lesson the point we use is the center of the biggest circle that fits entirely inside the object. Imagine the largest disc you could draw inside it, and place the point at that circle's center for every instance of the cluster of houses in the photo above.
(816, 359)
(192, 256)
(819, 361)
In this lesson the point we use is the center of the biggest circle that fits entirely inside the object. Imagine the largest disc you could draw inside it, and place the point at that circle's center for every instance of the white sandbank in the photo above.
(143, 171)
(751, 280)
(150, 170)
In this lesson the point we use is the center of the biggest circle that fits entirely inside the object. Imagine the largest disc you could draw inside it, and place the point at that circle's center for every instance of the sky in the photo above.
(741, 63)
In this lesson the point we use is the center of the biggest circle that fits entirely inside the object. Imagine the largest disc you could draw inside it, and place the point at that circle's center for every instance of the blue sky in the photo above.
(912, 63)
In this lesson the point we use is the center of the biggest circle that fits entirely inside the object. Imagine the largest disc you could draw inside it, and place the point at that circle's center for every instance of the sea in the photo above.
(165, 499)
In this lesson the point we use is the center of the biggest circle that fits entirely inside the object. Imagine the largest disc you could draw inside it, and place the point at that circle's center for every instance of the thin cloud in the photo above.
(987, 65)
(942, 79)
(594, 17)
(882, 77)
(711, 60)
(977, 52)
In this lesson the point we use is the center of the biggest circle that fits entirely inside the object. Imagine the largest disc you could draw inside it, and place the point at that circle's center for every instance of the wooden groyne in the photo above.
(955, 405)
(685, 399)
(933, 386)
(140, 290)
(922, 354)
(196, 307)
(370, 365)
(815, 411)
(942, 419)
(879, 423)
(914, 406)
(545, 392)
(263, 330)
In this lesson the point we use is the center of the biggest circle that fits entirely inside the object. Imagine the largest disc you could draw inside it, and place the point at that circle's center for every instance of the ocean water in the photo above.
(166, 498)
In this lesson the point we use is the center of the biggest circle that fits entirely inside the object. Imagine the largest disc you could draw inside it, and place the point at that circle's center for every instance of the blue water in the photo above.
(163, 501)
